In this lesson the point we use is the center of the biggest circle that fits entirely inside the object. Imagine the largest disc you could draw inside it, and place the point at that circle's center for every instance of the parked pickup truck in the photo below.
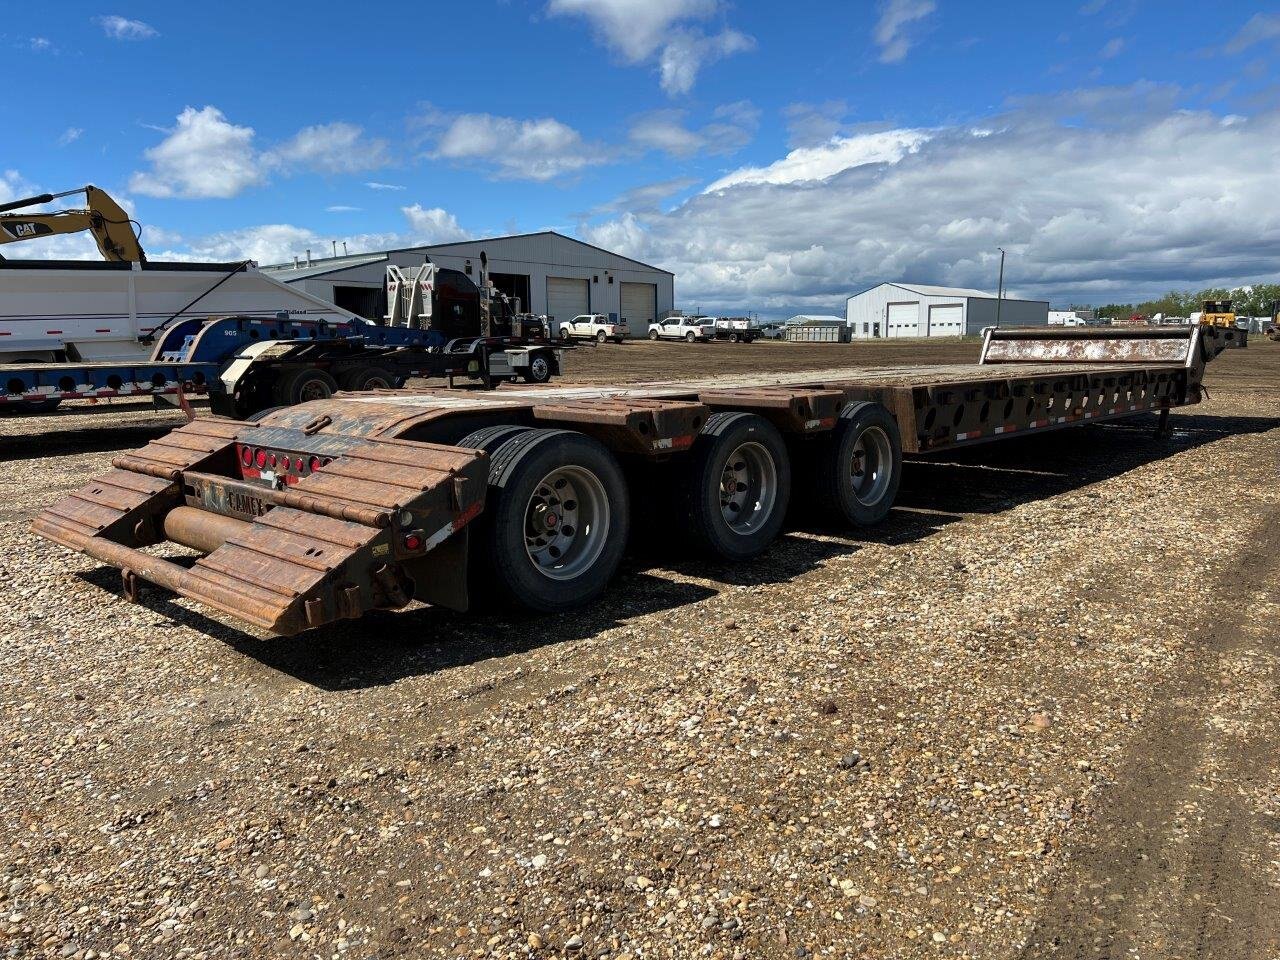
(691, 329)
(735, 329)
(594, 326)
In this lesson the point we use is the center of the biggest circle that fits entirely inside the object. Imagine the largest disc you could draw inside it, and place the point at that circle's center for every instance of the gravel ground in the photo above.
(1031, 715)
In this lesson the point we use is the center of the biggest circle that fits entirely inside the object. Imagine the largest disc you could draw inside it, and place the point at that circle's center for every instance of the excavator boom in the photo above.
(112, 228)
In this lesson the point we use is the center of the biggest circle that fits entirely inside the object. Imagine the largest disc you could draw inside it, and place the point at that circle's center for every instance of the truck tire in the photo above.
(564, 333)
(301, 386)
(858, 467)
(653, 334)
(690, 337)
(554, 524)
(601, 336)
(369, 378)
(538, 371)
(734, 338)
(737, 486)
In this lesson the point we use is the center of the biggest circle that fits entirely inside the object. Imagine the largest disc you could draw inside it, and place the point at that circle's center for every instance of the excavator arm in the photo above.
(112, 228)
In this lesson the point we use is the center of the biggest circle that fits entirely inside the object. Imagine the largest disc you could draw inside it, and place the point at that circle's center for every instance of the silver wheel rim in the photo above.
(748, 488)
(871, 466)
(566, 523)
(314, 390)
(539, 368)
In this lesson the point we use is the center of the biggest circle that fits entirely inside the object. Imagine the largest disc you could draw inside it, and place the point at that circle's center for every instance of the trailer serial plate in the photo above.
(231, 498)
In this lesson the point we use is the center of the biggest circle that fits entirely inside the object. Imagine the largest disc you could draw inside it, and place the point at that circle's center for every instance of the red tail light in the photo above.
(413, 541)
(260, 458)
(315, 464)
(246, 456)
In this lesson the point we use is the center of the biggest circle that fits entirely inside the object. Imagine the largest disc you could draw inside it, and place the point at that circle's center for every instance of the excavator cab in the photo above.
(115, 232)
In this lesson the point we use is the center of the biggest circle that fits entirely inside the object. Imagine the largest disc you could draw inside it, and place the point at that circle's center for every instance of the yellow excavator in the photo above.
(115, 232)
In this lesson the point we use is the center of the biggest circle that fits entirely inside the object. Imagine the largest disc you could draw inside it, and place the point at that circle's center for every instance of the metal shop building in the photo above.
(550, 273)
(921, 310)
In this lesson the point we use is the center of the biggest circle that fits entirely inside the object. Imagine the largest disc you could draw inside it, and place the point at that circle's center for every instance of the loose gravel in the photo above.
(931, 739)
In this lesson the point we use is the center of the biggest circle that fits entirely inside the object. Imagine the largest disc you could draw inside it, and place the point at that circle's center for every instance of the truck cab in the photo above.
(593, 326)
(690, 329)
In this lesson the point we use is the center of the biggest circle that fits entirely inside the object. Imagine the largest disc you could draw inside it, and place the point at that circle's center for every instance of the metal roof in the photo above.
(816, 318)
(932, 290)
(329, 264)
(319, 268)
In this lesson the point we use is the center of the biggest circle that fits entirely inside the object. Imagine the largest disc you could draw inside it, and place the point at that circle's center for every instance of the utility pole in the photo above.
(1000, 290)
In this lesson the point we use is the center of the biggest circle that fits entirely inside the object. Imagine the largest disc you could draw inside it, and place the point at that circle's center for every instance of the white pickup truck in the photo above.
(593, 326)
(691, 329)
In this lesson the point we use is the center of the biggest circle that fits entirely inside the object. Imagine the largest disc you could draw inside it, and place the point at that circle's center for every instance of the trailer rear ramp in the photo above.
(325, 510)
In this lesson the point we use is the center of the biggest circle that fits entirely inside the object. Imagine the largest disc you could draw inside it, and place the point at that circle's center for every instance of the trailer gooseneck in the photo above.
(325, 510)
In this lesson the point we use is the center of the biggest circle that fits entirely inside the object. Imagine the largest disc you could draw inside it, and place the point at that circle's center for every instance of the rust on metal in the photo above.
(632, 424)
(790, 409)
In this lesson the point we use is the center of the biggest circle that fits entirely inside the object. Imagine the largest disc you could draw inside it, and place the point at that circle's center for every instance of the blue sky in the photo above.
(777, 159)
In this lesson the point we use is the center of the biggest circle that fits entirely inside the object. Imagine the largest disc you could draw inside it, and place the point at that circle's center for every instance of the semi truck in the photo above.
(322, 511)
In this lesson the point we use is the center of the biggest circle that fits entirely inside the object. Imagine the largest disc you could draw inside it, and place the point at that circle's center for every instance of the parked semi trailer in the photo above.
(329, 509)
(440, 324)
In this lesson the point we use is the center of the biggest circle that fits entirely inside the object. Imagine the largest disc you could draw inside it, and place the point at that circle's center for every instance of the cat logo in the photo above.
(25, 230)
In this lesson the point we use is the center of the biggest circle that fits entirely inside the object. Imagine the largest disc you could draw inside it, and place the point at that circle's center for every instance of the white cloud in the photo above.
(645, 198)
(41, 45)
(432, 226)
(341, 208)
(640, 29)
(376, 185)
(70, 135)
(1112, 49)
(731, 128)
(810, 124)
(1077, 226)
(330, 148)
(204, 156)
(893, 30)
(510, 149)
(690, 51)
(1260, 28)
(122, 28)
(834, 156)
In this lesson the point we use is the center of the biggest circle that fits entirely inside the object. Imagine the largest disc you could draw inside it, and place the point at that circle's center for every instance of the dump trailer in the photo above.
(524, 498)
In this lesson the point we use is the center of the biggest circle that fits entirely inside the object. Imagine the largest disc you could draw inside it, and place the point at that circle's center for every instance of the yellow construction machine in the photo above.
(115, 232)
(1218, 313)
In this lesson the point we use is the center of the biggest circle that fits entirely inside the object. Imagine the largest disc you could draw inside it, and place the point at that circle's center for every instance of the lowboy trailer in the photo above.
(326, 510)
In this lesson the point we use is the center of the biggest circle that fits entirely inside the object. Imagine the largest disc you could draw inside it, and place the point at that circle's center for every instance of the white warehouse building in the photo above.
(922, 310)
(550, 274)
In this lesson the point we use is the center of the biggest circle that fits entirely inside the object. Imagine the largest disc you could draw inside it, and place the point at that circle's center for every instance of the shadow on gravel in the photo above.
(386, 646)
(60, 443)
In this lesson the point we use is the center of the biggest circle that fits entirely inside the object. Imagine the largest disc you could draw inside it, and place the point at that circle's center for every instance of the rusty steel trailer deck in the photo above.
(325, 510)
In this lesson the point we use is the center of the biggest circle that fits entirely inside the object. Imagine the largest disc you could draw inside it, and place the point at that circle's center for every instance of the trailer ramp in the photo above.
(287, 547)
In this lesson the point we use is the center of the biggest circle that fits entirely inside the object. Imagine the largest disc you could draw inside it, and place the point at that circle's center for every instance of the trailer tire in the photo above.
(302, 386)
(858, 467)
(747, 452)
(522, 557)
(369, 378)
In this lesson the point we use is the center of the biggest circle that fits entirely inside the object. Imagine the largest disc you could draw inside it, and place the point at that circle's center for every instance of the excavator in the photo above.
(1273, 328)
(115, 232)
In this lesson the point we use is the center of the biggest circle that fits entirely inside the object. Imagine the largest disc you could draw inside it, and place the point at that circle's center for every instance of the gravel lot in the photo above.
(1034, 714)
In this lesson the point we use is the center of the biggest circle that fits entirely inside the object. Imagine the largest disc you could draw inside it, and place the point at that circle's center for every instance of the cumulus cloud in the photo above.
(122, 28)
(435, 225)
(640, 30)
(731, 128)
(893, 32)
(1041, 181)
(809, 124)
(510, 149)
(645, 198)
(827, 159)
(330, 148)
(206, 155)
(690, 51)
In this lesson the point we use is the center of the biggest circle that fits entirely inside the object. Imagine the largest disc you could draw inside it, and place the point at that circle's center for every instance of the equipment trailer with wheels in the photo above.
(326, 510)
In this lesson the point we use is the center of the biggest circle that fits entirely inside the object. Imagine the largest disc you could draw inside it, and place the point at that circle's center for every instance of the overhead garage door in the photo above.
(639, 306)
(566, 298)
(904, 320)
(946, 320)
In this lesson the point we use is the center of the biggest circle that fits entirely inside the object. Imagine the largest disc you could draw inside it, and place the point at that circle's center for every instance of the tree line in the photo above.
(1183, 303)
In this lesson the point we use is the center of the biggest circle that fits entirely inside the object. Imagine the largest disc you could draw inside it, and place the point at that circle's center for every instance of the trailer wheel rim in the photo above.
(871, 466)
(314, 390)
(566, 522)
(538, 367)
(748, 488)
